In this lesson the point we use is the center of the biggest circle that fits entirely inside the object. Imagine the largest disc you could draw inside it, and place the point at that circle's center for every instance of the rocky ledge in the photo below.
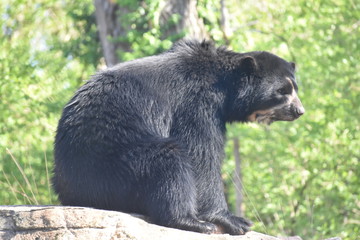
(59, 222)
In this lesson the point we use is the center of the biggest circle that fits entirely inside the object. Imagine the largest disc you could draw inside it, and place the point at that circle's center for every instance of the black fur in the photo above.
(147, 136)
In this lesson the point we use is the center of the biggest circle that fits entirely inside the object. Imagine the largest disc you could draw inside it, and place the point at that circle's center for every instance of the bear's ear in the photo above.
(248, 64)
(293, 65)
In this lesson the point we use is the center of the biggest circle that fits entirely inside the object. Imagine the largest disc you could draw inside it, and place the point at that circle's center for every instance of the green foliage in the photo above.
(46, 50)
(303, 177)
(144, 33)
(300, 178)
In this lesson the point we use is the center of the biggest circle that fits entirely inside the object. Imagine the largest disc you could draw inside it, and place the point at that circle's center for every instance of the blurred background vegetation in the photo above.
(298, 178)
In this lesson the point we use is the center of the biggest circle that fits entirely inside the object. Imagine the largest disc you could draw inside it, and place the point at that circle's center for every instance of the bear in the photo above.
(147, 136)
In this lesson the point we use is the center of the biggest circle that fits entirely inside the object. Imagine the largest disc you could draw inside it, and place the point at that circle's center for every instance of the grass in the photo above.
(26, 185)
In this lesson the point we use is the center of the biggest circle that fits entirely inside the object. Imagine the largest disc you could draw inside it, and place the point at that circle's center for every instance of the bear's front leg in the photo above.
(213, 208)
(226, 222)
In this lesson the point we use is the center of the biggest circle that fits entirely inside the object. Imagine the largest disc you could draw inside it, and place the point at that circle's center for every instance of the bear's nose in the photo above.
(298, 107)
(300, 110)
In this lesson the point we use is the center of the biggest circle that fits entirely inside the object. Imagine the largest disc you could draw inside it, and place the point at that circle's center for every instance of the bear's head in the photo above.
(265, 89)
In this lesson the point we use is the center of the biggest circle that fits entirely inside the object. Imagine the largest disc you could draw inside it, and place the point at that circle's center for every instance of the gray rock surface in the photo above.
(59, 222)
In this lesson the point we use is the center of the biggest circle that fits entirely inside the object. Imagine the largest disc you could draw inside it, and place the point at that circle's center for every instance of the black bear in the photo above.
(147, 136)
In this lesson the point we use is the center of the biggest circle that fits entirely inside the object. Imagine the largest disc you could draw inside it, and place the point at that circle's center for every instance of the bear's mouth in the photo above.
(264, 118)
(268, 116)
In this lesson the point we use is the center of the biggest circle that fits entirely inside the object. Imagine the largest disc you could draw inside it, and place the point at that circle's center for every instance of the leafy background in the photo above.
(299, 178)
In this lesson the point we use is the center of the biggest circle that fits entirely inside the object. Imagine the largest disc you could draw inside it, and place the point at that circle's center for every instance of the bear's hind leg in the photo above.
(169, 189)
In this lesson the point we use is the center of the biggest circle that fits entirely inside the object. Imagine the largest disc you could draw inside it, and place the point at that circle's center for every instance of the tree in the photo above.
(110, 28)
(178, 17)
(120, 23)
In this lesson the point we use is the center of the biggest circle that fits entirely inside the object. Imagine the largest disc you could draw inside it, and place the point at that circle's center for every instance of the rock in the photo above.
(290, 238)
(58, 222)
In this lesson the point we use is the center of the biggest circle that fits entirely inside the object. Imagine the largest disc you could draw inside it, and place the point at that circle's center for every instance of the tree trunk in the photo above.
(188, 21)
(224, 23)
(108, 22)
(107, 14)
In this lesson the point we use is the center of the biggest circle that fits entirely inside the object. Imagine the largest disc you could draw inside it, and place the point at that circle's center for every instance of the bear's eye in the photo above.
(283, 91)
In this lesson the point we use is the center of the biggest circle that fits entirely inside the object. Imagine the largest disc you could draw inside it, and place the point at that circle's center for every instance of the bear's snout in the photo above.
(298, 107)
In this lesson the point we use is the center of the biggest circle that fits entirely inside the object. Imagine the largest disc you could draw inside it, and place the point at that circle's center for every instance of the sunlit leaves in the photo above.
(47, 49)
(311, 164)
